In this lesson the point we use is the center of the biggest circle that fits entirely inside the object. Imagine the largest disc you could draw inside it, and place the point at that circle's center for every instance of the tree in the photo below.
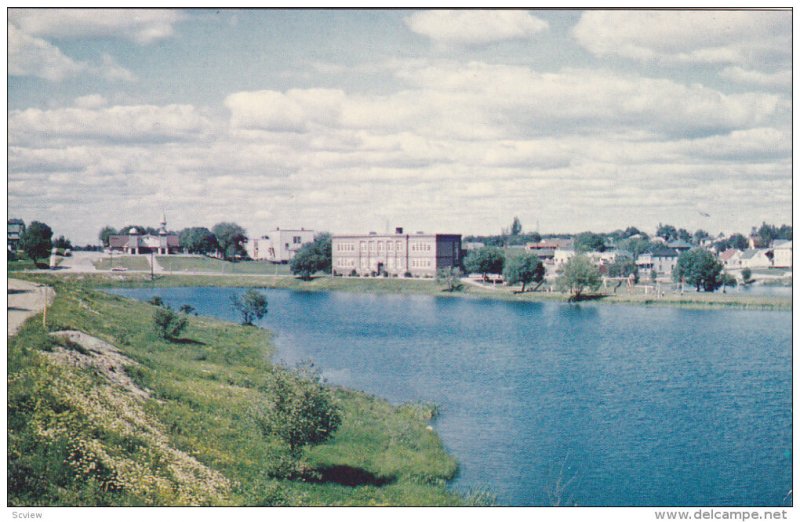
(579, 275)
(167, 323)
(699, 268)
(450, 277)
(62, 243)
(313, 257)
(105, 233)
(36, 241)
(684, 235)
(486, 260)
(230, 238)
(198, 240)
(666, 232)
(524, 269)
(623, 267)
(635, 245)
(300, 410)
(700, 235)
(747, 274)
(589, 242)
(516, 227)
(251, 305)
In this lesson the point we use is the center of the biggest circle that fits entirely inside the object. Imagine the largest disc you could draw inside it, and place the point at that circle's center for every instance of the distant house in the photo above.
(782, 254)
(562, 255)
(16, 227)
(756, 258)
(550, 244)
(278, 246)
(395, 254)
(679, 245)
(133, 241)
(661, 259)
(731, 258)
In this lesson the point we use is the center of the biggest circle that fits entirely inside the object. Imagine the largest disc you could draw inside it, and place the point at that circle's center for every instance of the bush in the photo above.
(300, 410)
(252, 305)
(168, 324)
(156, 301)
(747, 274)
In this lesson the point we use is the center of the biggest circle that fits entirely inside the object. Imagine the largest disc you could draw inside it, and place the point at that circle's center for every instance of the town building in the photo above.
(756, 258)
(278, 246)
(134, 241)
(398, 254)
(16, 227)
(661, 259)
(782, 254)
(731, 258)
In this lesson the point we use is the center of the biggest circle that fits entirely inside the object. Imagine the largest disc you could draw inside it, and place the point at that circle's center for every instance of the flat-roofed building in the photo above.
(279, 245)
(420, 254)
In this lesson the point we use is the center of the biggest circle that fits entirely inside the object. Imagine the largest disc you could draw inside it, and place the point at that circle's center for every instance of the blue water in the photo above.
(620, 405)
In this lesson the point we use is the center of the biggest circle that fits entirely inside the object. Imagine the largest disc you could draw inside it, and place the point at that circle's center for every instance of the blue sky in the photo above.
(349, 120)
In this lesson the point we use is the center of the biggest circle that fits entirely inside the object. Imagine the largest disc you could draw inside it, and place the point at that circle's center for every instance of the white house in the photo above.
(731, 258)
(561, 256)
(782, 254)
(756, 258)
(278, 246)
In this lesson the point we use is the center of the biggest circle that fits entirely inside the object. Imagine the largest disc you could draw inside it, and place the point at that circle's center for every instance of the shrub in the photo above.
(156, 301)
(252, 305)
(300, 410)
(167, 323)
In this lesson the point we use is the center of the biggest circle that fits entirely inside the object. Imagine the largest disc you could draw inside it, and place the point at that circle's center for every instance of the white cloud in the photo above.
(140, 123)
(276, 111)
(724, 37)
(748, 76)
(31, 56)
(472, 27)
(142, 26)
(90, 101)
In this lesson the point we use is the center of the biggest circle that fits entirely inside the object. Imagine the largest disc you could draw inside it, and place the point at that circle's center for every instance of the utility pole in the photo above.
(152, 260)
(44, 315)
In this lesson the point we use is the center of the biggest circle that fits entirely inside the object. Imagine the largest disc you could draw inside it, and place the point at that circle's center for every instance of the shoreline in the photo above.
(691, 300)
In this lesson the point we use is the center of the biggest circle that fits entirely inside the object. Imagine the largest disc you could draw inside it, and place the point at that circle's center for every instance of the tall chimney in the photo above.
(398, 230)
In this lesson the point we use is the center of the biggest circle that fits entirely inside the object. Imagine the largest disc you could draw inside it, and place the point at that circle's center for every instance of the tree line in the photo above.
(632, 239)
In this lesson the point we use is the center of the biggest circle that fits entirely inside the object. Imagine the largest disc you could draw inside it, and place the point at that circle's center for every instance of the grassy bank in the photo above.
(77, 439)
(127, 262)
(730, 300)
(207, 264)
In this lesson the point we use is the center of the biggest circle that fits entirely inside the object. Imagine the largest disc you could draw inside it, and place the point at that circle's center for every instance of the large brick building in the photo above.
(420, 254)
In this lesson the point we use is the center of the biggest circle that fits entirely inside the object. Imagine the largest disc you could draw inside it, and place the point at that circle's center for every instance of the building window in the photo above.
(363, 246)
(380, 246)
(296, 240)
(399, 246)
(389, 246)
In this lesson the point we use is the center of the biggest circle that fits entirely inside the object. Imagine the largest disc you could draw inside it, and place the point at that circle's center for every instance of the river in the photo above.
(549, 403)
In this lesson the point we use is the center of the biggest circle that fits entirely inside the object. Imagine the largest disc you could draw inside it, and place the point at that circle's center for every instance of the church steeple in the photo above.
(163, 225)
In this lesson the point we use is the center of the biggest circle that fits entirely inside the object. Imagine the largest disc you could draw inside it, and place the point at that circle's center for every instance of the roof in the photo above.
(729, 253)
(664, 252)
(392, 236)
(679, 244)
(750, 253)
(782, 243)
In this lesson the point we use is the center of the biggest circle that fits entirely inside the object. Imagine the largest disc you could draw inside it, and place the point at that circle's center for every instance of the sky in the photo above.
(352, 121)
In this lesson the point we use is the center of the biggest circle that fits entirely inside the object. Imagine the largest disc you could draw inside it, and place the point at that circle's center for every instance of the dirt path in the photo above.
(24, 300)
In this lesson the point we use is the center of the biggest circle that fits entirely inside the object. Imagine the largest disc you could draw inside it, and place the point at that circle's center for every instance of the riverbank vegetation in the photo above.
(137, 419)
(381, 285)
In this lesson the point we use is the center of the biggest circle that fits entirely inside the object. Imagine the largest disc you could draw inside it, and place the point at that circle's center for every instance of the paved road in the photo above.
(24, 300)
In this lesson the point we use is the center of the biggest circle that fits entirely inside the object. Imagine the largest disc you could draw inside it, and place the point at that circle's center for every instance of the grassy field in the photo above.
(129, 262)
(207, 264)
(76, 439)
(21, 264)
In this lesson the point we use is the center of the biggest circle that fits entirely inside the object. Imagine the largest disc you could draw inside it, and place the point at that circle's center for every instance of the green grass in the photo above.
(208, 264)
(129, 262)
(20, 264)
(77, 440)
